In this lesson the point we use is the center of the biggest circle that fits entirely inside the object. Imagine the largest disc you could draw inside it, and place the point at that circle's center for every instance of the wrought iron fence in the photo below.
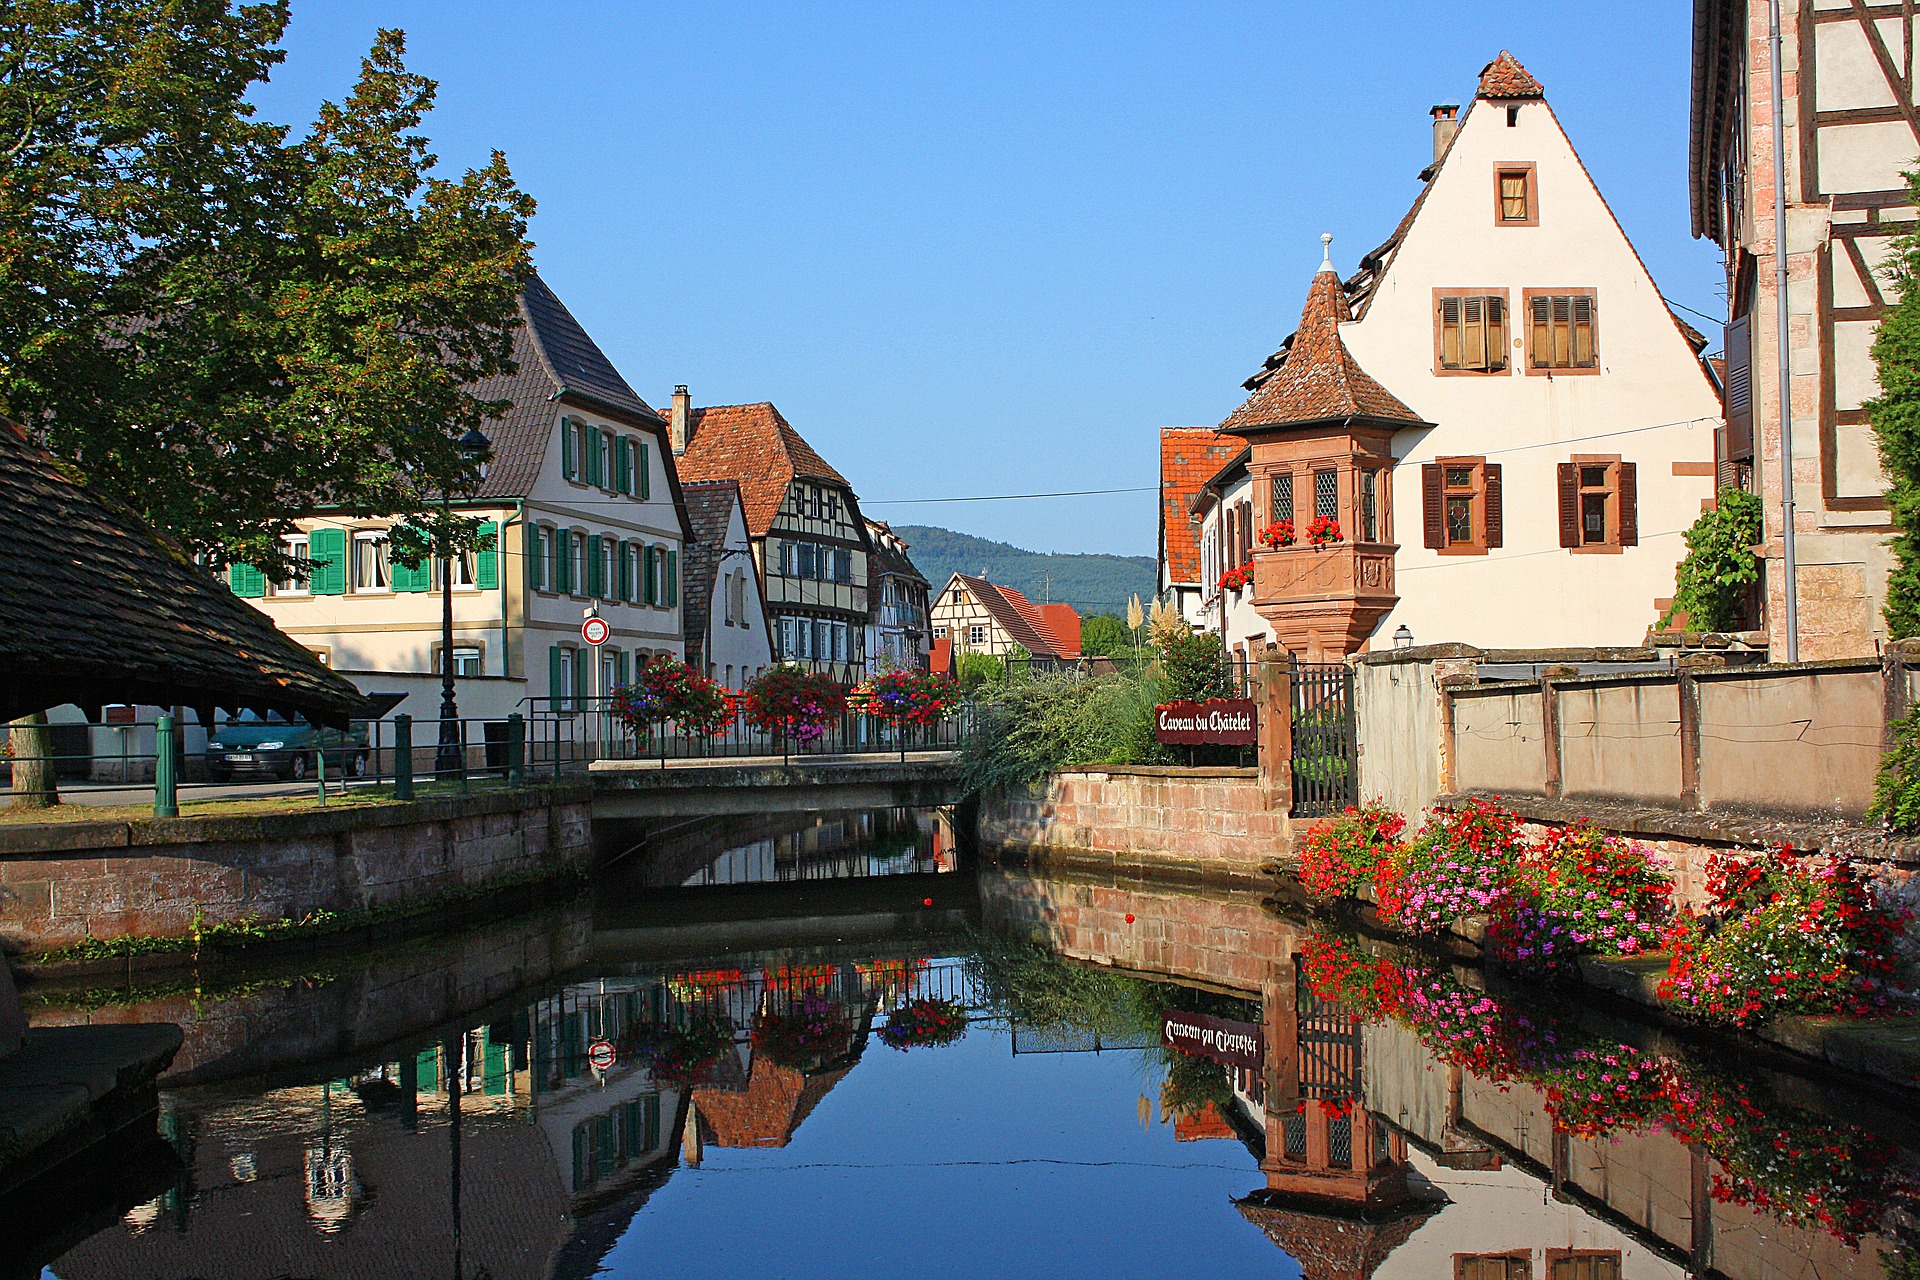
(565, 734)
(1325, 753)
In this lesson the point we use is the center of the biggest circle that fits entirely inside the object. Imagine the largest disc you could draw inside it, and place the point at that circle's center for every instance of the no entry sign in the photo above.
(1224, 722)
(595, 631)
(600, 1055)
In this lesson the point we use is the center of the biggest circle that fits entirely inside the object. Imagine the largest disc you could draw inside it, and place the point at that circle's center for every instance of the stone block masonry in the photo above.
(1197, 823)
(61, 883)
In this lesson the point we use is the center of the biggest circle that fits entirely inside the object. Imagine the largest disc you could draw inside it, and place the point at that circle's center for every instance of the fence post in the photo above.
(1550, 730)
(1689, 694)
(403, 757)
(166, 796)
(1276, 729)
(516, 749)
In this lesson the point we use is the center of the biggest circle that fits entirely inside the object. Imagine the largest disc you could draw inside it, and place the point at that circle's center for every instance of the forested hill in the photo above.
(1090, 583)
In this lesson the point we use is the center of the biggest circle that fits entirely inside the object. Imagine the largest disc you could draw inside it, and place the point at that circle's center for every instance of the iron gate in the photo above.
(1326, 776)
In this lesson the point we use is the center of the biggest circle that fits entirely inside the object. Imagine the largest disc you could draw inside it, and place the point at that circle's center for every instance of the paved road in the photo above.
(105, 793)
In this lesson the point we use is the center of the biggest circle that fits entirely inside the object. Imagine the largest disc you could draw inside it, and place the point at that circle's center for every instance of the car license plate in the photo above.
(238, 758)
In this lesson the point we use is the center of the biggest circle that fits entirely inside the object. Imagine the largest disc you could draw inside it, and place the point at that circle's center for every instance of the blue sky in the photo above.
(990, 248)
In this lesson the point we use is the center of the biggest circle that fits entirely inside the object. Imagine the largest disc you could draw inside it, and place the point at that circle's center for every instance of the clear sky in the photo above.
(989, 248)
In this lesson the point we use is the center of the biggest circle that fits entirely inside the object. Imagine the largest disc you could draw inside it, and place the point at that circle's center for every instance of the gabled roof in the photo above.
(95, 607)
(889, 557)
(1016, 615)
(1504, 77)
(1189, 457)
(1220, 481)
(1063, 624)
(754, 445)
(1318, 378)
(1333, 1241)
(766, 1114)
(558, 364)
(710, 504)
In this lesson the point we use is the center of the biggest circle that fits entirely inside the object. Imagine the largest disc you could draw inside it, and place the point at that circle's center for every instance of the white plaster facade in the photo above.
(737, 642)
(1648, 402)
(1223, 505)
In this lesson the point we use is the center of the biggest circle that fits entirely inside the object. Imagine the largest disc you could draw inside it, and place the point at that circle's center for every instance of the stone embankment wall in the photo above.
(62, 882)
(1195, 823)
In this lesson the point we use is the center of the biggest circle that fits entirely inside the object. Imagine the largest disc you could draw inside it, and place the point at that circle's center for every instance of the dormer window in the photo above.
(1516, 202)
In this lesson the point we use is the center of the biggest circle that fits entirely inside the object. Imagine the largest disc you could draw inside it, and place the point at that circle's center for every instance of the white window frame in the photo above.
(376, 543)
(299, 549)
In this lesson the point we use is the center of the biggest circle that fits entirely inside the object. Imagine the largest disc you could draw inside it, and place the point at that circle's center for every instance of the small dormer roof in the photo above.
(1504, 77)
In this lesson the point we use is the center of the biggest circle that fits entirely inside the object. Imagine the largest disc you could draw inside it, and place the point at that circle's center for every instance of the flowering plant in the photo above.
(810, 1031)
(924, 1022)
(1278, 534)
(1578, 891)
(1600, 1090)
(1455, 867)
(678, 1053)
(666, 688)
(917, 698)
(790, 700)
(1234, 579)
(1784, 934)
(1343, 852)
(1323, 530)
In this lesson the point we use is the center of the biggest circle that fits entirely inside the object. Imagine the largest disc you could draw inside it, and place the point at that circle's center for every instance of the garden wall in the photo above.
(64, 881)
(1199, 823)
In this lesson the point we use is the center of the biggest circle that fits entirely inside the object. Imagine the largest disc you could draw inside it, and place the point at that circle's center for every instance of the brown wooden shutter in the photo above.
(1569, 505)
(1629, 505)
(1496, 517)
(1450, 333)
(1433, 507)
(1739, 390)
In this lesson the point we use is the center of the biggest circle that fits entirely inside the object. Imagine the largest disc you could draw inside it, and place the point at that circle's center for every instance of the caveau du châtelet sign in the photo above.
(1220, 722)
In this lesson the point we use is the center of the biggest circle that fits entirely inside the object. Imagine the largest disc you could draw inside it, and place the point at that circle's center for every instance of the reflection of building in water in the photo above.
(845, 846)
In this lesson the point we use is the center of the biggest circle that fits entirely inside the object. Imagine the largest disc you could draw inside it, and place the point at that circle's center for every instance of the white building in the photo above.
(726, 616)
(586, 511)
(1224, 507)
(1507, 422)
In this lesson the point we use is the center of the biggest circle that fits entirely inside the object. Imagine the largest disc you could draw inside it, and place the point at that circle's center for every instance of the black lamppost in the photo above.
(449, 760)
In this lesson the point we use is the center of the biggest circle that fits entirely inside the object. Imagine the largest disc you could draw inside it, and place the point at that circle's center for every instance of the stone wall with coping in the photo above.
(1204, 823)
(62, 882)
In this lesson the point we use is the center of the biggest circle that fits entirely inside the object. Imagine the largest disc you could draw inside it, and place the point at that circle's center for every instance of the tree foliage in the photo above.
(223, 326)
(1710, 585)
(1104, 634)
(1895, 414)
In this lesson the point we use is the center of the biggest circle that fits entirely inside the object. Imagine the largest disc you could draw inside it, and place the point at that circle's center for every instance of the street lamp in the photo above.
(1402, 638)
(449, 760)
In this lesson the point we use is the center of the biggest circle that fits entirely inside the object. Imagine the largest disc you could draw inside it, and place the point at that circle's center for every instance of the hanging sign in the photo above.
(1221, 722)
(600, 1055)
(1200, 1035)
(595, 631)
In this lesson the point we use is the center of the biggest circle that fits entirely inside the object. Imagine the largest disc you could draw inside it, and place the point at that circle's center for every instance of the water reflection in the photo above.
(777, 1107)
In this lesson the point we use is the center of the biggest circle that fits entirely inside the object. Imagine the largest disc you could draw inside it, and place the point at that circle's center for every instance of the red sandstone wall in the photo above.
(51, 900)
(1211, 822)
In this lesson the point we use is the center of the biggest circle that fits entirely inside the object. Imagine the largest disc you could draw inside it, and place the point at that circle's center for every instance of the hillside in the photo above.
(1090, 583)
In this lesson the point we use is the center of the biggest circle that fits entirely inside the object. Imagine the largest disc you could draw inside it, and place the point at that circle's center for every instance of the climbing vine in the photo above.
(1895, 414)
(1711, 584)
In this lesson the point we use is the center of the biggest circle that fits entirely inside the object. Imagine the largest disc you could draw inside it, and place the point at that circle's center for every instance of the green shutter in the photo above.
(620, 667)
(671, 596)
(563, 561)
(486, 564)
(247, 581)
(646, 472)
(554, 692)
(568, 463)
(626, 571)
(583, 661)
(595, 587)
(650, 575)
(328, 549)
(404, 579)
(590, 441)
(426, 1066)
(622, 466)
(536, 570)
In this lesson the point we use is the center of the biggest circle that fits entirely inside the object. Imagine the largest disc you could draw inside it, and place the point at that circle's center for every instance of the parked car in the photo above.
(285, 748)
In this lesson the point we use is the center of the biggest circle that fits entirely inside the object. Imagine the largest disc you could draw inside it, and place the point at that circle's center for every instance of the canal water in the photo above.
(837, 1045)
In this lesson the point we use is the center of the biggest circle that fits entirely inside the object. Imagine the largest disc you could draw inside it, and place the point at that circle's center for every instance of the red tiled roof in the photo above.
(940, 660)
(1063, 624)
(1319, 378)
(1015, 614)
(1189, 457)
(1504, 77)
(753, 445)
(777, 1098)
(1207, 1122)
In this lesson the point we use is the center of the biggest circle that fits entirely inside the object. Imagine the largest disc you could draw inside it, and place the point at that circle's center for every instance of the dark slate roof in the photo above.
(95, 608)
(889, 556)
(558, 364)
(709, 504)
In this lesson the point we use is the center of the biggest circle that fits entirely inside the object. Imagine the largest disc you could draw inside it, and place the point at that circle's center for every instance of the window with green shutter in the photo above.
(595, 587)
(622, 466)
(671, 596)
(563, 563)
(556, 677)
(650, 575)
(626, 571)
(569, 462)
(415, 579)
(247, 581)
(486, 572)
(329, 562)
(645, 489)
(536, 559)
(620, 666)
(591, 439)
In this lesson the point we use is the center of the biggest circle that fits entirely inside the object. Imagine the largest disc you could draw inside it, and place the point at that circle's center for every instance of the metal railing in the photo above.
(565, 734)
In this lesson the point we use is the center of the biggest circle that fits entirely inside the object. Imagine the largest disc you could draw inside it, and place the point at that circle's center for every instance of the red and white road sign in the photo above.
(600, 1052)
(595, 631)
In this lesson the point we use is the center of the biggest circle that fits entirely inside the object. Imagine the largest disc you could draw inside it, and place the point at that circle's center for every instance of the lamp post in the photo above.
(449, 760)
(1402, 638)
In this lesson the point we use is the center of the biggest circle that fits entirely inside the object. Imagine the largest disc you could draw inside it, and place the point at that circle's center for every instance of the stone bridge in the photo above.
(705, 788)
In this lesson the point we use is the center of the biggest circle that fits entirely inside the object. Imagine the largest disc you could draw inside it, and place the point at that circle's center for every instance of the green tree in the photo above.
(1711, 584)
(1895, 414)
(1104, 634)
(223, 327)
(1195, 668)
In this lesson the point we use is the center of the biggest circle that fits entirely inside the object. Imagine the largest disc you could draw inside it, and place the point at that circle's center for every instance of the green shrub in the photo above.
(1027, 729)
(1194, 668)
(1710, 585)
(1896, 792)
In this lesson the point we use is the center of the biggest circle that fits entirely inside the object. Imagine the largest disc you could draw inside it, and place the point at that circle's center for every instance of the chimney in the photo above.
(680, 420)
(1445, 124)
